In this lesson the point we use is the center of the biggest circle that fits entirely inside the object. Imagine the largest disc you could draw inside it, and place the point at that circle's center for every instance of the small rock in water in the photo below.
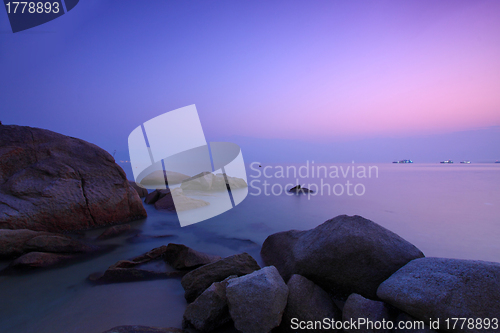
(114, 231)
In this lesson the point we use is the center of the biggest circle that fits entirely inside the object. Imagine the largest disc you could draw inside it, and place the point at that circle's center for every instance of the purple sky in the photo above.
(344, 73)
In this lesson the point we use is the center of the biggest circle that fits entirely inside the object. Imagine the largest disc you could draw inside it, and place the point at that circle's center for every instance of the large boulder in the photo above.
(210, 309)
(257, 300)
(196, 281)
(445, 288)
(307, 303)
(52, 182)
(182, 257)
(143, 329)
(14, 243)
(344, 255)
(362, 310)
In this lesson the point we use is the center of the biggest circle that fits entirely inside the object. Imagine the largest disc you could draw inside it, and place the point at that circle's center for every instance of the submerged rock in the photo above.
(307, 302)
(114, 231)
(182, 202)
(344, 255)
(445, 288)
(257, 300)
(299, 189)
(196, 281)
(52, 182)
(40, 260)
(14, 243)
(182, 257)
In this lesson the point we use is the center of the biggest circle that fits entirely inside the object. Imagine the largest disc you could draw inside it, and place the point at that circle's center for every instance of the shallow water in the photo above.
(445, 210)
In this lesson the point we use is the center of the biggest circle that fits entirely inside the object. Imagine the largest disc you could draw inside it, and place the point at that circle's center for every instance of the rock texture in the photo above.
(114, 231)
(182, 257)
(40, 260)
(257, 300)
(143, 329)
(14, 243)
(210, 309)
(52, 182)
(357, 307)
(147, 266)
(307, 302)
(445, 288)
(196, 281)
(141, 191)
(182, 202)
(344, 255)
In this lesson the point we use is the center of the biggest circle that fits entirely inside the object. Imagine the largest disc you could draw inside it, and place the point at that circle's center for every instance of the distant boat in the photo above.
(403, 161)
(447, 162)
(465, 162)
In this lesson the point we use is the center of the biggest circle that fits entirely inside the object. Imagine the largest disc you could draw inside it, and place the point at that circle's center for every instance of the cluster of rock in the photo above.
(343, 270)
(52, 182)
(153, 265)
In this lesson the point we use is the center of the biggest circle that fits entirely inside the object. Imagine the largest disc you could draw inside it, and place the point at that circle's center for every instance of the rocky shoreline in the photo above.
(345, 269)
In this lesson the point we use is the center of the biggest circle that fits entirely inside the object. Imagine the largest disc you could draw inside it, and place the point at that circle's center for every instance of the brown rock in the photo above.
(114, 231)
(52, 182)
(40, 259)
(141, 191)
(182, 257)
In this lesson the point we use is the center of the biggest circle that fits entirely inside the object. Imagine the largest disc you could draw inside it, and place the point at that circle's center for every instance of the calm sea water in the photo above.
(445, 210)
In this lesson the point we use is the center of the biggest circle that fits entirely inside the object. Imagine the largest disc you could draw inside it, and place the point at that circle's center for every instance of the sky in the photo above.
(371, 80)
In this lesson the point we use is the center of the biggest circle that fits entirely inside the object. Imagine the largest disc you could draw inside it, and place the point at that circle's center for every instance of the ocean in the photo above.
(448, 211)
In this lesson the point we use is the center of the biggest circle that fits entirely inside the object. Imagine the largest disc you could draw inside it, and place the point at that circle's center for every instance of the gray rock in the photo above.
(307, 302)
(143, 329)
(114, 231)
(52, 182)
(182, 257)
(445, 288)
(357, 307)
(210, 309)
(344, 255)
(196, 281)
(257, 300)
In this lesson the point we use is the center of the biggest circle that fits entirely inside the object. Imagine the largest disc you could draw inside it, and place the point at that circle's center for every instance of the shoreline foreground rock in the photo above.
(53, 182)
(344, 255)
